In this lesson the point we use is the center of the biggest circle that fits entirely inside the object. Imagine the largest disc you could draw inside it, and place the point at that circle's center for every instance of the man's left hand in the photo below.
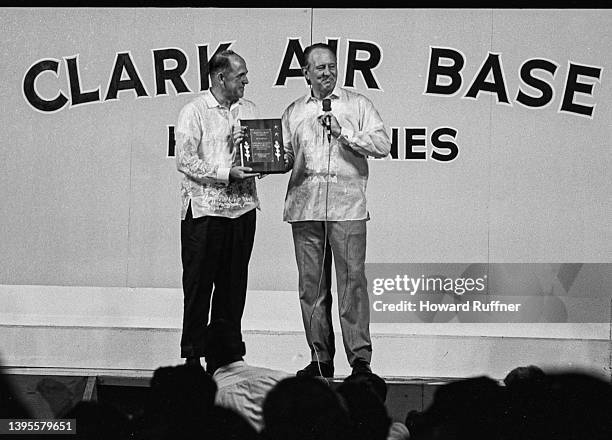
(335, 126)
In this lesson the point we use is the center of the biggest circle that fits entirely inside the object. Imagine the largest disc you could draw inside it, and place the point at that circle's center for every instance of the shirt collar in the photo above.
(335, 94)
(227, 367)
(211, 101)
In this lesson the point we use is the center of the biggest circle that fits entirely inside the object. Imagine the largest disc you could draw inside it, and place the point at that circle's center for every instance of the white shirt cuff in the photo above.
(346, 133)
(223, 175)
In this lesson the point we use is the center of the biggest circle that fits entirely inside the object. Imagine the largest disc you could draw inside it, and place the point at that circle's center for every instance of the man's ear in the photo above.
(305, 73)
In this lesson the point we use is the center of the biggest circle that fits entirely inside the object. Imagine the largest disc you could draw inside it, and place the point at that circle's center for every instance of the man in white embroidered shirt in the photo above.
(326, 206)
(241, 387)
(219, 200)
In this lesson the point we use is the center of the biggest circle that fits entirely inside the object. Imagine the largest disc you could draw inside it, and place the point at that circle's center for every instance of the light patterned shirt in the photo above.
(398, 431)
(308, 152)
(205, 154)
(244, 387)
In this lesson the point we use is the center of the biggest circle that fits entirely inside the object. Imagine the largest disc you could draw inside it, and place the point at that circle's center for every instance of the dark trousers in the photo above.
(215, 252)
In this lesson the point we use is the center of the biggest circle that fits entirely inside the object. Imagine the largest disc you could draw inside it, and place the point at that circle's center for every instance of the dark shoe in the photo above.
(312, 370)
(193, 362)
(361, 367)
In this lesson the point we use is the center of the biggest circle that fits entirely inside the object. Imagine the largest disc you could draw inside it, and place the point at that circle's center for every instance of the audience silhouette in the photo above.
(241, 387)
(366, 410)
(304, 408)
(529, 404)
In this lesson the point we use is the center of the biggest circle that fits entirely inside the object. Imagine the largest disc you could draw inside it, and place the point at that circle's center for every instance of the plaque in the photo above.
(262, 148)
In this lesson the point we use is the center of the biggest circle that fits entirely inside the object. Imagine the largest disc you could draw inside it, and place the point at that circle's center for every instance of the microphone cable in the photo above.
(323, 259)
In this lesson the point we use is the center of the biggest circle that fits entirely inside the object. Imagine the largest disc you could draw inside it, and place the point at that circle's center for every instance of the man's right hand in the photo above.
(288, 164)
(237, 134)
(241, 173)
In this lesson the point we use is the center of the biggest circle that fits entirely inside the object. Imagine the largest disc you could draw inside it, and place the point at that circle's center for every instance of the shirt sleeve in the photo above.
(288, 146)
(398, 431)
(372, 138)
(188, 135)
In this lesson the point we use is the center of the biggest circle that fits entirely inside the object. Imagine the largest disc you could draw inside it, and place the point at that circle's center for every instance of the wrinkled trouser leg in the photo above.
(347, 240)
(215, 253)
(314, 288)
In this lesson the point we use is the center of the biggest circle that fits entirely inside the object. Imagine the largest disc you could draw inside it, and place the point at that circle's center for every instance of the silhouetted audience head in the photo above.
(563, 406)
(227, 424)
(417, 424)
(473, 408)
(377, 383)
(525, 388)
(524, 375)
(366, 410)
(223, 344)
(587, 408)
(532, 406)
(304, 408)
(181, 400)
(183, 390)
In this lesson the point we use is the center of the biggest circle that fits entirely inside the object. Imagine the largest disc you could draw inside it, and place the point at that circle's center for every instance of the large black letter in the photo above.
(334, 45)
(394, 143)
(452, 72)
(294, 49)
(117, 84)
(162, 75)
(364, 66)
(29, 87)
(498, 86)
(542, 86)
(203, 60)
(411, 141)
(171, 141)
(572, 86)
(76, 96)
(439, 143)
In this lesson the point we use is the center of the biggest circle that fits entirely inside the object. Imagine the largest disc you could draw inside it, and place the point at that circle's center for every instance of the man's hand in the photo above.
(288, 165)
(334, 124)
(237, 134)
(241, 173)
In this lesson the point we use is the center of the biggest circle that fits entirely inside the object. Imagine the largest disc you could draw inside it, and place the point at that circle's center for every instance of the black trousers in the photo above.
(215, 252)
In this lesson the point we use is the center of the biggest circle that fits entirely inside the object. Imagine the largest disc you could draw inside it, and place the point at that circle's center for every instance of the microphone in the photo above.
(327, 119)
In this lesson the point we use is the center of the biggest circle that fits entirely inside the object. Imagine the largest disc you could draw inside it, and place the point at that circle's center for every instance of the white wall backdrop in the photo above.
(90, 197)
